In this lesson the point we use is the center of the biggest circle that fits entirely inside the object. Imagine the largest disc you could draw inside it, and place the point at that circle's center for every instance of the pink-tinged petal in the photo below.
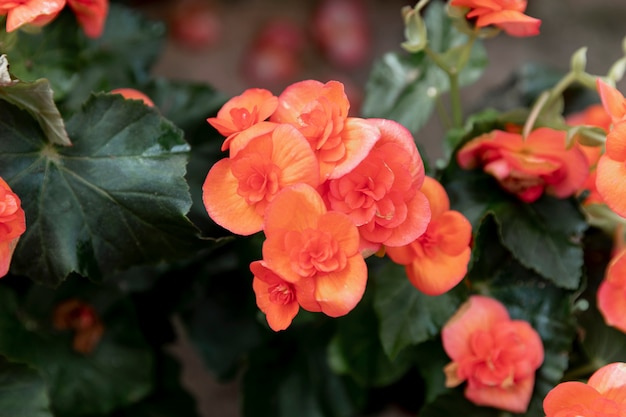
(610, 381)
(570, 395)
(514, 398)
(339, 292)
(296, 207)
(342, 230)
(292, 153)
(224, 205)
(91, 15)
(514, 23)
(6, 254)
(436, 195)
(243, 111)
(612, 100)
(278, 316)
(612, 304)
(305, 292)
(402, 255)
(415, 224)
(296, 97)
(236, 142)
(478, 312)
(358, 136)
(437, 274)
(611, 184)
(616, 270)
(616, 142)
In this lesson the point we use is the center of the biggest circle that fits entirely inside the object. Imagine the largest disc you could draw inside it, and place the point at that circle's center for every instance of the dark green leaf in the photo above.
(406, 315)
(116, 373)
(453, 403)
(115, 199)
(22, 391)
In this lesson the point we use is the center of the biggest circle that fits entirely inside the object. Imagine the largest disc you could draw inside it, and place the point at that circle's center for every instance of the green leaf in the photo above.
(22, 391)
(453, 403)
(114, 199)
(36, 98)
(117, 373)
(406, 315)
(405, 88)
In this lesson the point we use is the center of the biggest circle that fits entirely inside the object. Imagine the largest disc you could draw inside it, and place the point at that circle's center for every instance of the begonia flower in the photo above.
(497, 356)
(237, 189)
(12, 225)
(306, 242)
(80, 317)
(243, 111)
(382, 194)
(132, 94)
(91, 15)
(32, 12)
(611, 170)
(320, 112)
(530, 166)
(437, 260)
(604, 395)
(611, 294)
(507, 15)
(274, 296)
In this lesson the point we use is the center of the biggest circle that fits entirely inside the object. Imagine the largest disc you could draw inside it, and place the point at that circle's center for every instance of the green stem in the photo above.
(582, 371)
(455, 100)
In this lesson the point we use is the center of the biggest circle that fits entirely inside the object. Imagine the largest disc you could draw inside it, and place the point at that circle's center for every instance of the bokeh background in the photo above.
(237, 44)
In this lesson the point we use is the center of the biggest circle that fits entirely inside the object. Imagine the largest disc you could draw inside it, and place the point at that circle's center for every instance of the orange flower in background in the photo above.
(611, 171)
(237, 190)
(507, 15)
(308, 245)
(497, 356)
(242, 112)
(12, 225)
(32, 12)
(528, 167)
(91, 15)
(437, 260)
(382, 194)
(611, 294)
(82, 318)
(320, 112)
(132, 94)
(604, 395)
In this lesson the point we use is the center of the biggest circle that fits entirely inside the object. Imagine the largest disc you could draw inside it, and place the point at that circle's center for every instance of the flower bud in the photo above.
(414, 29)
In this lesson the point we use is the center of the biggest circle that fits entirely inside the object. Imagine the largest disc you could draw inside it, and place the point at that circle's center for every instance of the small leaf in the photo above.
(115, 199)
(406, 315)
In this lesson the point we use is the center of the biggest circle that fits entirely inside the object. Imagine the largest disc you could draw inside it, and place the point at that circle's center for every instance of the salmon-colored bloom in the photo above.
(274, 296)
(32, 12)
(507, 15)
(306, 242)
(82, 318)
(320, 112)
(604, 395)
(237, 190)
(612, 292)
(382, 194)
(611, 170)
(528, 167)
(132, 94)
(437, 260)
(243, 111)
(497, 356)
(594, 115)
(12, 225)
(91, 15)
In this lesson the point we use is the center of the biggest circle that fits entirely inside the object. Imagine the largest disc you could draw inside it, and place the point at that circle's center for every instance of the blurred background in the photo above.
(237, 44)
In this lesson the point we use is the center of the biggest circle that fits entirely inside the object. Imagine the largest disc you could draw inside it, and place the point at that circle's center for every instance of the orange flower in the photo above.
(243, 111)
(320, 112)
(12, 225)
(33, 12)
(132, 94)
(612, 292)
(76, 315)
(437, 260)
(604, 395)
(91, 15)
(497, 356)
(507, 15)
(237, 190)
(306, 242)
(611, 170)
(381, 195)
(528, 167)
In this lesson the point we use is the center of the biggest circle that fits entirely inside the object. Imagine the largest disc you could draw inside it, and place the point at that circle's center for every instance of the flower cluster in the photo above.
(12, 225)
(326, 189)
(91, 14)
